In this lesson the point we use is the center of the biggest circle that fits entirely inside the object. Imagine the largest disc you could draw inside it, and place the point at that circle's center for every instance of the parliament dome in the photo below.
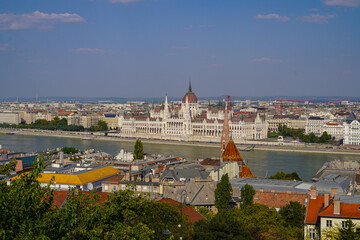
(190, 96)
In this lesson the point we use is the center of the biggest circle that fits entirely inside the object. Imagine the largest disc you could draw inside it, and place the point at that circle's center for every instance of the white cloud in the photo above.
(346, 3)
(272, 16)
(37, 20)
(124, 1)
(317, 18)
(88, 50)
(265, 59)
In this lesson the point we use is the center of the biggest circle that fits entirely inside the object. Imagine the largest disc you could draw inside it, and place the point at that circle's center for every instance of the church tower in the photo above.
(225, 135)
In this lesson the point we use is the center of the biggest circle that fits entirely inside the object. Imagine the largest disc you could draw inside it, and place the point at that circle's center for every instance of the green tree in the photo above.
(27, 212)
(205, 212)
(68, 150)
(138, 150)
(247, 196)
(24, 204)
(223, 193)
(6, 169)
(102, 125)
(224, 225)
(348, 233)
(293, 214)
(286, 176)
(265, 223)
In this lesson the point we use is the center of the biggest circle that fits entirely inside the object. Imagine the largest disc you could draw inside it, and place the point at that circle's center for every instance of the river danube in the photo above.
(262, 163)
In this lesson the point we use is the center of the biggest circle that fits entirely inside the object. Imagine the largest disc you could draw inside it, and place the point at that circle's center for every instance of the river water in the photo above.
(262, 163)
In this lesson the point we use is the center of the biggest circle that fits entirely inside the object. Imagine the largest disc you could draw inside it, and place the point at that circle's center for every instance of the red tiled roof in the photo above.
(60, 196)
(313, 209)
(193, 215)
(347, 210)
(278, 199)
(114, 179)
(210, 162)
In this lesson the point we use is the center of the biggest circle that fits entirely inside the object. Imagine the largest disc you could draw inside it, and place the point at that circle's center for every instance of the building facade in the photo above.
(189, 122)
(352, 130)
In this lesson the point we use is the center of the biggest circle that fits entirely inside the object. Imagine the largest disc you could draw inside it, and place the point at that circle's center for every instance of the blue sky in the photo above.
(149, 48)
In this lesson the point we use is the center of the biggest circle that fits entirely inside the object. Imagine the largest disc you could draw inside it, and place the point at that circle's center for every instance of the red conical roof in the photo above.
(231, 152)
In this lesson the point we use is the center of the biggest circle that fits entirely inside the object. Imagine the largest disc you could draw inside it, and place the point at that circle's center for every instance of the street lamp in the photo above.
(167, 231)
(181, 218)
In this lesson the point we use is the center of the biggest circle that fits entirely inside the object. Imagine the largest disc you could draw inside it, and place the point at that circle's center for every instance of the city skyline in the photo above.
(134, 48)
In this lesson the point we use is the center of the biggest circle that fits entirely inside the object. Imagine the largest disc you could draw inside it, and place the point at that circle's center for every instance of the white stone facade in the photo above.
(315, 125)
(334, 129)
(352, 133)
(186, 124)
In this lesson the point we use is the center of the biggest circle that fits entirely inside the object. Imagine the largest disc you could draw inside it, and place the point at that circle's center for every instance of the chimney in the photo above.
(336, 207)
(326, 199)
(127, 176)
(62, 158)
(313, 193)
(333, 192)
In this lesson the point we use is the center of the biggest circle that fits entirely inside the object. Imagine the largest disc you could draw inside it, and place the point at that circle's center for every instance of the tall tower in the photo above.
(166, 109)
(225, 135)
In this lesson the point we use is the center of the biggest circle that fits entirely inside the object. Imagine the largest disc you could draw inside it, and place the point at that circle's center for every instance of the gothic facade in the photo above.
(189, 122)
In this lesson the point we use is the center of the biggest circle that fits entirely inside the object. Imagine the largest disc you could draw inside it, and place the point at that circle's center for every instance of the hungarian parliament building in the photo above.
(189, 122)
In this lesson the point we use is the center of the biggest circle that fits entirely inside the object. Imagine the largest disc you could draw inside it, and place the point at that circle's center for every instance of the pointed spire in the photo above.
(190, 90)
(225, 135)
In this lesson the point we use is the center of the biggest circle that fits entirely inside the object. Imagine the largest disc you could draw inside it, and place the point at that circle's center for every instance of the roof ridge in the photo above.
(197, 193)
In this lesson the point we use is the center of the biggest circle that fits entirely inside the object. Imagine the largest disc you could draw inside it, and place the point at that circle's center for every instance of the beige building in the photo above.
(112, 120)
(90, 120)
(10, 117)
(289, 121)
(119, 182)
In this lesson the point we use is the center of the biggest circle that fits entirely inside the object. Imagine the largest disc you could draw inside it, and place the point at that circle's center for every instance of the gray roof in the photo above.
(330, 181)
(351, 118)
(181, 173)
(272, 184)
(200, 193)
(110, 115)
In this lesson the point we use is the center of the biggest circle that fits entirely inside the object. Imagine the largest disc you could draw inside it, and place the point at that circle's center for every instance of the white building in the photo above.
(335, 130)
(315, 125)
(191, 123)
(352, 130)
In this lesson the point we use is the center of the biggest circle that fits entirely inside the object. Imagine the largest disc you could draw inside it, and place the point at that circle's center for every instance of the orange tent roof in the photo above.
(231, 152)
(246, 172)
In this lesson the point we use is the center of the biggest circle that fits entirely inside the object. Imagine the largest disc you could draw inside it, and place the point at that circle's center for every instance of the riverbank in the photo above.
(96, 136)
